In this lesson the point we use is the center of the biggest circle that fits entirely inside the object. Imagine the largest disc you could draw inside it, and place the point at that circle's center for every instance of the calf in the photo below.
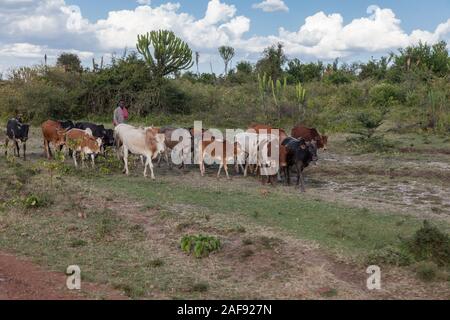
(145, 142)
(84, 143)
(54, 133)
(98, 131)
(299, 153)
(216, 150)
(310, 134)
(17, 131)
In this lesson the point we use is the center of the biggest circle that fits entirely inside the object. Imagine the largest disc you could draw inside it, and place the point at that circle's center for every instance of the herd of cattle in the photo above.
(87, 139)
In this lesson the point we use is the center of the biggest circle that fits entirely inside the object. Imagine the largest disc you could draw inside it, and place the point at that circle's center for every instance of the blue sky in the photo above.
(310, 30)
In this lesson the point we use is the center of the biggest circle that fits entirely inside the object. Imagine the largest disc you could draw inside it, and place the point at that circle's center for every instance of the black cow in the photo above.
(67, 124)
(17, 131)
(299, 153)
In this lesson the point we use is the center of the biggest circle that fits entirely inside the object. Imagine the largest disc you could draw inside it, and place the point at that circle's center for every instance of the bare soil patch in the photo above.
(20, 279)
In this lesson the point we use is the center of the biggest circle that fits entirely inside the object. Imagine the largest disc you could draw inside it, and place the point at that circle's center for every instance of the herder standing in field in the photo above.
(120, 114)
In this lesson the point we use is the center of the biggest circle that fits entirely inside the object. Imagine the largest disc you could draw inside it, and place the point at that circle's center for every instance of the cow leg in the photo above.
(93, 160)
(302, 181)
(150, 164)
(225, 166)
(6, 146)
(17, 148)
(24, 151)
(74, 156)
(220, 170)
(166, 155)
(82, 155)
(125, 160)
(202, 165)
(287, 171)
(159, 160)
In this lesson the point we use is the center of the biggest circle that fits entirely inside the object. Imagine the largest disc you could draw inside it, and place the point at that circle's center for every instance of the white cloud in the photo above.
(31, 28)
(144, 2)
(271, 6)
(326, 37)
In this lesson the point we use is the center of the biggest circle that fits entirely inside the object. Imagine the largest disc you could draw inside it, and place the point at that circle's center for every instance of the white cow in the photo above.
(146, 142)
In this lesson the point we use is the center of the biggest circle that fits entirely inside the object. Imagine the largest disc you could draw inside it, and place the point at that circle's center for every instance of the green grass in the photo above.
(334, 226)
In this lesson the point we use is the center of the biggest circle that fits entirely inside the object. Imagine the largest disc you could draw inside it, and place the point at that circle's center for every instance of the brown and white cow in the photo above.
(53, 133)
(145, 142)
(81, 141)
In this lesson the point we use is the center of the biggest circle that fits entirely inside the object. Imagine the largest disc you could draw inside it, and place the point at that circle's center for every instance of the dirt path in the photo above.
(22, 280)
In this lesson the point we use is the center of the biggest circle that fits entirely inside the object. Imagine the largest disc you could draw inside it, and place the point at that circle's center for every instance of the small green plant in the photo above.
(34, 202)
(201, 246)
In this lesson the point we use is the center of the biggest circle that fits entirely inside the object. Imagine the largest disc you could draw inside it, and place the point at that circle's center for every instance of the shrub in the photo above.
(201, 246)
(390, 255)
(429, 243)
(370, 145)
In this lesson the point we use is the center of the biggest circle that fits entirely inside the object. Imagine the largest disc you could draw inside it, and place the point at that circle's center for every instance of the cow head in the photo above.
(60, 137)
(108, 137)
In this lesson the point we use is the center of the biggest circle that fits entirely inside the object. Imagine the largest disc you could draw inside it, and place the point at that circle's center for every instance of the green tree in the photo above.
(299, 72)
(70, 62)
(170, 53)
(272, 62)
(226, 53)
(244, 67)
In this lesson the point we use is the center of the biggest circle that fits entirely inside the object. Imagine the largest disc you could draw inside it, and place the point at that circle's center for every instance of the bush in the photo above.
(390, 255)
(370, 145)
(201, 246)
(385, 95)
(429, 243)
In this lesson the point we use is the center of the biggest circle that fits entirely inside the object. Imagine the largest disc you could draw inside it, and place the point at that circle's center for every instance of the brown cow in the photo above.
(83, 142)
(54, 133)
(260, 127)
(217, 150)
(310, 134)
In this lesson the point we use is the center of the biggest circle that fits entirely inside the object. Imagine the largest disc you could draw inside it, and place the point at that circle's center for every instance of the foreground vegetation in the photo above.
(136, 235)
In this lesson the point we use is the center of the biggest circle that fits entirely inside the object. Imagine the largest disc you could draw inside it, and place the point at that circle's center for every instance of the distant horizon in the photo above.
(353, 31)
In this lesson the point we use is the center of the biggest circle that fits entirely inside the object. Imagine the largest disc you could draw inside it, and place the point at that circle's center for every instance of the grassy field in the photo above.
(276, 242)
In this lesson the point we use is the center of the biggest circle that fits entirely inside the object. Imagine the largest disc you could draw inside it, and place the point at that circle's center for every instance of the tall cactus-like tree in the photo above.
(278, 91)
(263, 86)
(197, 59)
(300, 95)
(226, 53)
(170, 53)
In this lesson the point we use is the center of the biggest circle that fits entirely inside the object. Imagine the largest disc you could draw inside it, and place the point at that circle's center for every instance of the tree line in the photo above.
(409, 89)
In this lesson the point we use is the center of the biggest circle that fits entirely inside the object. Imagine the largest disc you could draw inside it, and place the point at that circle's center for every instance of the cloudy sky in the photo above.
(310, 30)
